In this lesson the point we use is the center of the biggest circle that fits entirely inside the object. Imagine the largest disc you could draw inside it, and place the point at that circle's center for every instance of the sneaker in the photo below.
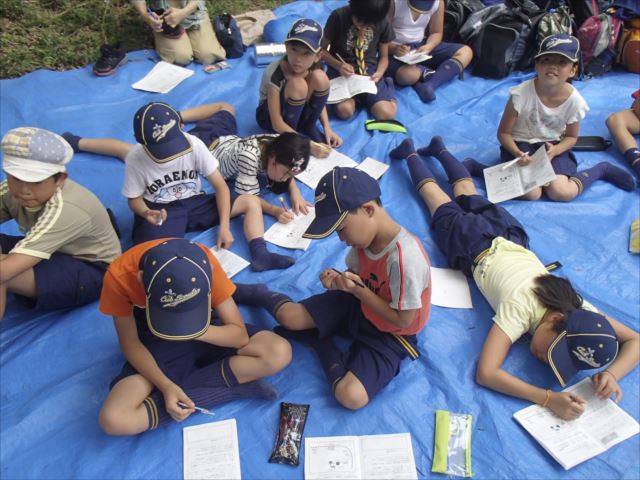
(112, 56)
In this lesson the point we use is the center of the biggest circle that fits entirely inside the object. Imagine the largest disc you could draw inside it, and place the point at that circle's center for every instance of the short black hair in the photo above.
(557, 294)
(370, 11)
(378, 202)
(290, 149)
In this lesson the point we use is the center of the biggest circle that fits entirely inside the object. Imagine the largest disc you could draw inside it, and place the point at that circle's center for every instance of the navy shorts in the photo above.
(564, 164)
(62, 281)
(177, 359)
(195, 213)
(386, 90)
(440, 54)
(466, 226)
(217, 125)
(374, 357)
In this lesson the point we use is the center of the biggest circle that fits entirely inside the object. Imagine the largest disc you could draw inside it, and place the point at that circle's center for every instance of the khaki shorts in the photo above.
(198, 43)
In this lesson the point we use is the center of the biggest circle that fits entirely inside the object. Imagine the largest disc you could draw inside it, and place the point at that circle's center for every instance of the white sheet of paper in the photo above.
(413, 57)
(373, 167)
(602, 425)
(210, 451)
(341, 88)
(376, 457)
(289, 235)
(510, 180)
(450, 288)
(318, 167)
(162, 78)
(230, 262)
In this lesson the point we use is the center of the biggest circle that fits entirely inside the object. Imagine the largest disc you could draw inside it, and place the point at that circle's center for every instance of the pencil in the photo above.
(323, 146)
(284, 205)
(359, 284)
(340, 58)
(198, 409)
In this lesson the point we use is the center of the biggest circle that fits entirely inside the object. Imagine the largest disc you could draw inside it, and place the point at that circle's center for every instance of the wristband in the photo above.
(546, 398)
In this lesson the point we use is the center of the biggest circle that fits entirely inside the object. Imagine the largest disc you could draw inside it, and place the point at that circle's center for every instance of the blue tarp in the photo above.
(56, 367)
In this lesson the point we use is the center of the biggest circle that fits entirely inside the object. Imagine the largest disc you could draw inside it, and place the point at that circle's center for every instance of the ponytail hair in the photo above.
(289, 149)
(557, 294)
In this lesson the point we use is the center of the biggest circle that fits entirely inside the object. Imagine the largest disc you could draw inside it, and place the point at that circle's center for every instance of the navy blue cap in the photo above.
(588, 342)
(560, 44)
(176, 275)
(421, 6)
(156, 127)
(339, 191)
(306, 31)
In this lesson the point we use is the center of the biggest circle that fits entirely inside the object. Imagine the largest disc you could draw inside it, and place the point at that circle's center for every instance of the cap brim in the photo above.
(32, 173)
(574, 60)
(181, 325)
(311, 47)
(560, 360)
(322, 227)
(167, 151)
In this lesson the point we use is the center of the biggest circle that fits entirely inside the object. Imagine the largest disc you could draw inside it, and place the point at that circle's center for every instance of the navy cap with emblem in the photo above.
(176, 275)
(308, 32)
(589, 341)
(560, 44)
(156, 127)
(339, 191)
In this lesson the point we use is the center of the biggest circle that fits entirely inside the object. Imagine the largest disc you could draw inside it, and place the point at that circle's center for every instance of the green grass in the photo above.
(64, 34)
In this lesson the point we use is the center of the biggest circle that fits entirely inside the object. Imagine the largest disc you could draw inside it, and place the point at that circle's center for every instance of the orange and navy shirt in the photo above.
(122, 290)
(401, 275)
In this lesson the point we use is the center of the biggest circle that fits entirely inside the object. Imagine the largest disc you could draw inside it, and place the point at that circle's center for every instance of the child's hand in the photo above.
(606, 385)
(320, 150)
(327, 277)
(154, 21)
(552, 150)
(333, 139)
(423, 49)
(225, 239)
(566, 405)
(173, 16)
(346, 70)
(172, 395)
(525, 159)
(376, 77)
(402, 50)
(155, 217)
(298, 204)
(284, 216)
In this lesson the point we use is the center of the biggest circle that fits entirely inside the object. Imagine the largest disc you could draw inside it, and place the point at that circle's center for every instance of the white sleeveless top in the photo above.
(407, 29)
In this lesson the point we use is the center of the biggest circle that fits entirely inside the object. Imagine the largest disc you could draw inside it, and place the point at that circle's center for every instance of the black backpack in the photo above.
(455, 14)
(228, 33)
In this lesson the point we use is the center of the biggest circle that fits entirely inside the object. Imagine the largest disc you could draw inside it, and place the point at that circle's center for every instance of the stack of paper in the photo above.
(413, 57)
(289, 235)
(210, 451)
(162, 78)
(229, 261)
(342, 88)
(318, 167)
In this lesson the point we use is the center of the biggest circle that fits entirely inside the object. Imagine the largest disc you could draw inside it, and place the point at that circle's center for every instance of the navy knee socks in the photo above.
(420, 173)
(72, 140)
(445, 72)
(455, 170)
(474, 167)
(259, 295)
(604, 171)
(633, 157)
(292, 110)
(262, 259)
(311, 114)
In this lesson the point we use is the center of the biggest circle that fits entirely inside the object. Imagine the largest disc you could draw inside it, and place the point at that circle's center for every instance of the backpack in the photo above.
(598, 36)
(505, 43)
(474, 23)
(228, 33)
(556, 20)
(629, 51)
(455, 14)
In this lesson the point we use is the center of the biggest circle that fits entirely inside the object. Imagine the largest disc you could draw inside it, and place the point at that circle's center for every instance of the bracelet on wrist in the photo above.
(546, 399)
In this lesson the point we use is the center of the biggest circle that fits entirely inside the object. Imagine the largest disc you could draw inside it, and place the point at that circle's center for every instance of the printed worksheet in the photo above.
(510, 180)
(230, 262)
(210, 451)
(318, 167)
(413, 57)
(289, 235)
(602, 425)
(342, 88)
(373, 167)
(375, 457)
(162, 78)
(450, 288)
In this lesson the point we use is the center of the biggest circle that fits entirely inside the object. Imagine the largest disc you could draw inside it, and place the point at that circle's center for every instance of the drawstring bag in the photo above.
(228, 33)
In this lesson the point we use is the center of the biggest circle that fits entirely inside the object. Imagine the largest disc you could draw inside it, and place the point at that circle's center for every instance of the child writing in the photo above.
(69, 240)
(294, 90)
(486, 242)
(382, 301)
(547, 110)
(356, 41)
(160, 294)
(419, 25)
(623, 125)
(245, 160)
(181, 29)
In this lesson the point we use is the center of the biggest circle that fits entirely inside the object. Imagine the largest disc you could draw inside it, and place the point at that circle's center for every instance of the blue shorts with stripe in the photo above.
(177, 359)
(192, 214)
(62, 281)
(564, 164)
(217, 125)
(444, 51)
(374, 357)
(386, 90)
(466, 226)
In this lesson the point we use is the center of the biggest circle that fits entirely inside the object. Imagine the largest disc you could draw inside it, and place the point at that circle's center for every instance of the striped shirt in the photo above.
(240, 159)
(72, 222)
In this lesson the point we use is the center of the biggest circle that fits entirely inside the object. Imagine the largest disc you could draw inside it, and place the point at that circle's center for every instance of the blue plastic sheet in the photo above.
(55, 367)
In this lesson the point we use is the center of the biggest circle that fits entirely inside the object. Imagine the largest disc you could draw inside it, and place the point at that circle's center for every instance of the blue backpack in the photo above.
(228, 33)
